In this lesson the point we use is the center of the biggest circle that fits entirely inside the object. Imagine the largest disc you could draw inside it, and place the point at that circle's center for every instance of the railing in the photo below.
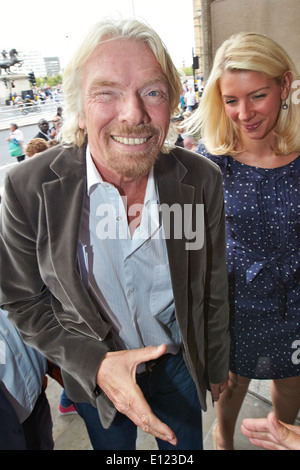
(22, 109)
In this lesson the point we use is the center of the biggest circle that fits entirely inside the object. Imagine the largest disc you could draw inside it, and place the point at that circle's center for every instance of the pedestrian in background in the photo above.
(16, 143)
(250, 128)
(43, 130)
(190, 100)
(35, 146)
(25, 419)
(55, 130)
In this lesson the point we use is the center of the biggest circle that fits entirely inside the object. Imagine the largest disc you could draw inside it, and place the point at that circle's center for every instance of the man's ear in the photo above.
(81, 122)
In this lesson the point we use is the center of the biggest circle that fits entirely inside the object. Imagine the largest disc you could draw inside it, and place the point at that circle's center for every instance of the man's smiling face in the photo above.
(126, 108)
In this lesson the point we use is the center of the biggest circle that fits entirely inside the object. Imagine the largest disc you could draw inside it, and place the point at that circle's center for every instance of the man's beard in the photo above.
(133, 164)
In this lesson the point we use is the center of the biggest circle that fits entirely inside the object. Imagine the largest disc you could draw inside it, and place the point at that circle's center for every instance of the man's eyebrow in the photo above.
(155, 81)
(115, 84)
(102, 83)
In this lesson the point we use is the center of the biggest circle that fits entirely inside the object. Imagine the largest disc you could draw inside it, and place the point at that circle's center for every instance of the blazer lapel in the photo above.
(64, 199)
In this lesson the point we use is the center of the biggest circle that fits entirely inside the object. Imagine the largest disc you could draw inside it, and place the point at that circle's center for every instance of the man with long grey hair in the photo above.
(96, 274)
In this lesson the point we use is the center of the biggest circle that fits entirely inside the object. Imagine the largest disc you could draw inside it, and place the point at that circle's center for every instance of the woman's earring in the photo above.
(285, 105)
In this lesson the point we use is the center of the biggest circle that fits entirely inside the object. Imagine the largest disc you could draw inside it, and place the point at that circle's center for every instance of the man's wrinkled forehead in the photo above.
(111, 56)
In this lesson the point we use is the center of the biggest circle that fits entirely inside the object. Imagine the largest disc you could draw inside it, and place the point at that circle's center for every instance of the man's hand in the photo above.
(272, 434)
(117, 378)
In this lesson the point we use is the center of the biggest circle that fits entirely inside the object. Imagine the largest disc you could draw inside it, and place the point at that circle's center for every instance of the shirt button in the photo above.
(17, 430)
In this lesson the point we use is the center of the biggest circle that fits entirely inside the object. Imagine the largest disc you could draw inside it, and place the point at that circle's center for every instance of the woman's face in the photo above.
(253, 101)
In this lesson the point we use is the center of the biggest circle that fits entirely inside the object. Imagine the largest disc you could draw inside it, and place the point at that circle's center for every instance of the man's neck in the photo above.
(130, 188)
(125, 185)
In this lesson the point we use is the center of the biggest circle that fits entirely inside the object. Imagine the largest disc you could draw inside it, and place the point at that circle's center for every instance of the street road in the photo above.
(6, 161)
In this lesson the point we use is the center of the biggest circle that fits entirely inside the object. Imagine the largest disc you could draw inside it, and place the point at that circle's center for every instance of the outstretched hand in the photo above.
(271, 433)
(117, 378)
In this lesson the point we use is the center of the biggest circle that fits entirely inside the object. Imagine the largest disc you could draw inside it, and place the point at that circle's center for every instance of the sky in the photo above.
(56, 28)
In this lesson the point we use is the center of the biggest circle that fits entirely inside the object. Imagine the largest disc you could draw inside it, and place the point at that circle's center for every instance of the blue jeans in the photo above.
(64, 400)
(171, 394)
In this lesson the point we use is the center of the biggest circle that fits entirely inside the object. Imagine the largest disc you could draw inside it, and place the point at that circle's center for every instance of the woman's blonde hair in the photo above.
(109, 29)
(253, 52)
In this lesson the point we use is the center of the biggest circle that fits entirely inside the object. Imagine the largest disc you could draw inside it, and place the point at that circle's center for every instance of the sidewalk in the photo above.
(70, 433)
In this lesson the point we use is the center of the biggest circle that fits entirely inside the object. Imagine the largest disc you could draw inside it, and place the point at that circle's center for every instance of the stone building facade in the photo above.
(216, 20)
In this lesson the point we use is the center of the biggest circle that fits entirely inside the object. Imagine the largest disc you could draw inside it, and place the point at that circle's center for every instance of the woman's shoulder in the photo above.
(201, 149)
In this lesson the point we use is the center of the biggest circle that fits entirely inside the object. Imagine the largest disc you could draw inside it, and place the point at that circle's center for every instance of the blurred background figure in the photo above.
(16, 142)
(54, 132)
(25, 419)
(189, 142)
(35, 146)
(43, 130)
(190, 100)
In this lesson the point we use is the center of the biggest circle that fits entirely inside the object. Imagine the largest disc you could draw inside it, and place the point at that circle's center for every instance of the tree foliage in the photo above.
(188, 71)
(50, 81)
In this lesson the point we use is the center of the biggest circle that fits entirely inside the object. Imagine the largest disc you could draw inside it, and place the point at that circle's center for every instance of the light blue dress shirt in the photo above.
(127, 276)
(22, 369)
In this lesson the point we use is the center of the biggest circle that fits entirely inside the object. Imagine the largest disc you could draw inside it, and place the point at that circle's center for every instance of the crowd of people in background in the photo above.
(46, 137)
(39, 95)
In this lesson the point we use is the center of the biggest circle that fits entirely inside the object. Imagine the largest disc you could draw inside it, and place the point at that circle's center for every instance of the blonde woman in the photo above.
(249, 122)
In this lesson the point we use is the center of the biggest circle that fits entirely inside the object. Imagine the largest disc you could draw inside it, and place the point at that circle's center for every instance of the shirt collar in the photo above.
(92, 174)
(150, 222)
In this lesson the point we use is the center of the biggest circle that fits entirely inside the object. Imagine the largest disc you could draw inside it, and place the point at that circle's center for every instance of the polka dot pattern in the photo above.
(263, 254)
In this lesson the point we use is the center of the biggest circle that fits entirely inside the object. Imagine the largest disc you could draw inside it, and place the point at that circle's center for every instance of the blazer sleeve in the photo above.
(30, 304)
(216, 290)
